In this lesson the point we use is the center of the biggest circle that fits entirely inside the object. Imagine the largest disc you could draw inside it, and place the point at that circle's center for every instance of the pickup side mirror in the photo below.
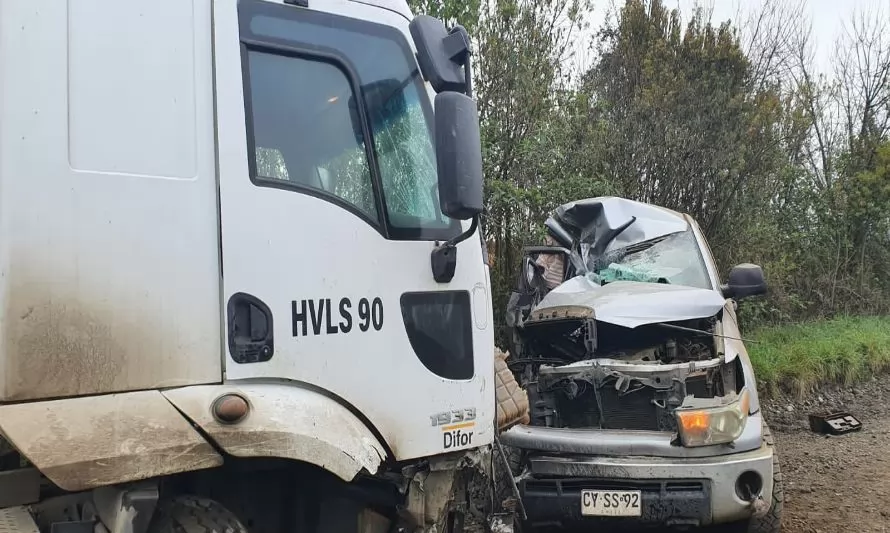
(745, 280)
(458, 155)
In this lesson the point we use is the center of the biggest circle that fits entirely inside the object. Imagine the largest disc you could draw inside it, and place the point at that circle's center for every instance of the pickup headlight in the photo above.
(713, 425)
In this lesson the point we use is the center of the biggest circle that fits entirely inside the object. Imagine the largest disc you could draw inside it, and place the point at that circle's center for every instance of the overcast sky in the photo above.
(828, 18)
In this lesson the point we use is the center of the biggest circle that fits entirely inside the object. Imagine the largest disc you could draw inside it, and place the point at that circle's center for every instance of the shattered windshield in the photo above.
(674, 259)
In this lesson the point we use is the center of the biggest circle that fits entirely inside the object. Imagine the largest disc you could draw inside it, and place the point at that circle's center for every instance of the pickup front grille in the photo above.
(633, 410)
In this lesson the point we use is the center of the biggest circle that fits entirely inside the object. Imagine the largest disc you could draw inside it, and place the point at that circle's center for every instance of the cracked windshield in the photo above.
(673, 259)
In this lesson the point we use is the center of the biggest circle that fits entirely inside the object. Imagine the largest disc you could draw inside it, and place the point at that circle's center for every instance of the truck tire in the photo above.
(191, 514)
(771, 522)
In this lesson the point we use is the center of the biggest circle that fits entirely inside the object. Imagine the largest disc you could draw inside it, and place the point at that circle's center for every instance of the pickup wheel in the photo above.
(771, 522)
(503, 478)
(190, 514)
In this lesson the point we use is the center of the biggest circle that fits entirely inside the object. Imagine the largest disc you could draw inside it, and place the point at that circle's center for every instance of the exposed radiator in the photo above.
(632, 410)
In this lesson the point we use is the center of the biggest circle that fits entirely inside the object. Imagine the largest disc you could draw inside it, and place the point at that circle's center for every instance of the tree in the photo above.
(688, 124)
(463, 12)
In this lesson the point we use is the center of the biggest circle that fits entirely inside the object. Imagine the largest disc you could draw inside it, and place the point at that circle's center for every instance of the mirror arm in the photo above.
(468, 67)
(468, 73)
(457, 46)
(474, 224)
(443, 258)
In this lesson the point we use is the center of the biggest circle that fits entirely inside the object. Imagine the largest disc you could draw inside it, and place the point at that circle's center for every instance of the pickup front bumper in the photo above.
(674, 490)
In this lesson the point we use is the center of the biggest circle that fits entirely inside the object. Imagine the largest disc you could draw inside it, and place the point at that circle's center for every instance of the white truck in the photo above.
(241, 282)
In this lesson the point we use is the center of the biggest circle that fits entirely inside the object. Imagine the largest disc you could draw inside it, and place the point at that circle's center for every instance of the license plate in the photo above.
(610, 503)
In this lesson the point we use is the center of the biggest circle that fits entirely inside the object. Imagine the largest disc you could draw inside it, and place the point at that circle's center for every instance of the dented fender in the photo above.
(285, 421)
(94, 441)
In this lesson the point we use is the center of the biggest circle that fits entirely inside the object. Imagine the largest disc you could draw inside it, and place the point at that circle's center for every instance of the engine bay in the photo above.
(586, 374)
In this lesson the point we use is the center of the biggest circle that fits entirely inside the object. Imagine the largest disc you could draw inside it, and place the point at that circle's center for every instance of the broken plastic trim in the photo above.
(834, 423)
(560, 312)
(670, 371)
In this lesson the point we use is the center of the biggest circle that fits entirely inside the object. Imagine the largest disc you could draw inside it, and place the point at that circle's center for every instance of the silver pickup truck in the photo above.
(643, 402)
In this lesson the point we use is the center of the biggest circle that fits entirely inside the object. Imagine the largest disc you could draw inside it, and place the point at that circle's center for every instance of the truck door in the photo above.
(329, 212)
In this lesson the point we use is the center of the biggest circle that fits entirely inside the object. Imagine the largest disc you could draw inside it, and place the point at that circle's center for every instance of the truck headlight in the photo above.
(713, 425)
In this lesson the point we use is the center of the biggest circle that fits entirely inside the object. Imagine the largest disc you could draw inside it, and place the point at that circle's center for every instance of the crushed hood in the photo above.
(628, 303)
(595, 219)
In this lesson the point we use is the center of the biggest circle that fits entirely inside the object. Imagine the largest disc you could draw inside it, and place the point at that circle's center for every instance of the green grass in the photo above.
(798, 357)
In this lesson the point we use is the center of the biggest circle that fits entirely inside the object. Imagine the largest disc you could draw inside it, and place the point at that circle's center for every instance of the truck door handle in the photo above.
(250, 329)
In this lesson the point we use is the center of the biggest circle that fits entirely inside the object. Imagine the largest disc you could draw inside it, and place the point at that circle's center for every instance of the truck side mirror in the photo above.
(444, 60)
(458, 155)
(441, 54)
(745, 280)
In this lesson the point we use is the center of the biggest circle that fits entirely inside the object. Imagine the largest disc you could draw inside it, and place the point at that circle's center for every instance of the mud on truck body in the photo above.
(241, 283)
(643, 403)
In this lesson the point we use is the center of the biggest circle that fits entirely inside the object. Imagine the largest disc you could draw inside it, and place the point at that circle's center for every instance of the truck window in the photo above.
(342, 102)
(299, 127)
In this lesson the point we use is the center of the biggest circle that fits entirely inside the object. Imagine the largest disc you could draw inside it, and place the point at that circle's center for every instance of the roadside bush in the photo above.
(799, 357)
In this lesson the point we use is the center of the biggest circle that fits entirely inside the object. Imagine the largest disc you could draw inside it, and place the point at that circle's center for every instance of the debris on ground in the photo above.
(834, 423)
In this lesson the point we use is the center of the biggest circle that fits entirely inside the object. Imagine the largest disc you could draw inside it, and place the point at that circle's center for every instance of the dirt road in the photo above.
(836, 484)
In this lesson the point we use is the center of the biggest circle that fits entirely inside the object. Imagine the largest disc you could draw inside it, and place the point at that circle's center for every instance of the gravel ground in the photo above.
(835, 484)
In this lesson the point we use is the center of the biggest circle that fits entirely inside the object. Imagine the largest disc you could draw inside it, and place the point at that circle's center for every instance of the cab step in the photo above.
(17, 520)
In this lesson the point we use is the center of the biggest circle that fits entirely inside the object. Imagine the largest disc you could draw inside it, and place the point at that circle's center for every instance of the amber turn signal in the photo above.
(230, 408)
(695, 421)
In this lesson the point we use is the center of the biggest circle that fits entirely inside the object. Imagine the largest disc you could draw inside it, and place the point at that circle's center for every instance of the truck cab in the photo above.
(230, 241)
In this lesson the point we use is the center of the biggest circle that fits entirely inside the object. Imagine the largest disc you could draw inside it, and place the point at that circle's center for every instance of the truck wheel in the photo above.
(190, 514)
(771, 522)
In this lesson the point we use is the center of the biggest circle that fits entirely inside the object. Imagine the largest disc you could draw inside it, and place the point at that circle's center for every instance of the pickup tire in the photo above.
(771, 522)
(503, 478)
(190, 514)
